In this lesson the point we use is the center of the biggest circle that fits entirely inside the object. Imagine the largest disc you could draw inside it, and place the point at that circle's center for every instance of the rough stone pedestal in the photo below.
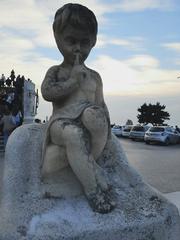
(28, 212)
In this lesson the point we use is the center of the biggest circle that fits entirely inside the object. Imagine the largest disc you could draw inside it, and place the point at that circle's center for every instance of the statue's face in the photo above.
(72, 41)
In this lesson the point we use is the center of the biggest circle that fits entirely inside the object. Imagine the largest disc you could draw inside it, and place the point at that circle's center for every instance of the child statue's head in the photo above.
(75, 31)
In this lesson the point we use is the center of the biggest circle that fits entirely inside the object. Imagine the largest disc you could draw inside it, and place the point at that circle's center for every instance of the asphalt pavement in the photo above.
(159, 165)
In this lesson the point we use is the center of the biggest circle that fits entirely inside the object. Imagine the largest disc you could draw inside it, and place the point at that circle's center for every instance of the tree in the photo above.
(152, 113)
(129, 122)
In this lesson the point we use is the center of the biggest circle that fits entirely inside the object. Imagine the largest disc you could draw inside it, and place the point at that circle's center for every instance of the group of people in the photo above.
(9, 120)
(11, 100)
(12, 81)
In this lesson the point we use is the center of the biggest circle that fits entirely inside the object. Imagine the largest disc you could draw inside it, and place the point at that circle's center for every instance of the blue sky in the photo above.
(137, 53)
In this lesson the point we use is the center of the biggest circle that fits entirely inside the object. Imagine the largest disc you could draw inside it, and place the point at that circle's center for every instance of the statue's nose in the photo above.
(77, 48)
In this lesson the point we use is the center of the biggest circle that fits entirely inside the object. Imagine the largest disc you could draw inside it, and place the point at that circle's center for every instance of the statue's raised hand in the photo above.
(78, 71)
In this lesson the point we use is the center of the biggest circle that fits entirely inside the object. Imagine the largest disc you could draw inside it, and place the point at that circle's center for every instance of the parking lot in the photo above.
(159, 165)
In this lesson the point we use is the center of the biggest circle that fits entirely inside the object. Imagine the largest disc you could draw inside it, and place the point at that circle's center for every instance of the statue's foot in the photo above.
(101, 201)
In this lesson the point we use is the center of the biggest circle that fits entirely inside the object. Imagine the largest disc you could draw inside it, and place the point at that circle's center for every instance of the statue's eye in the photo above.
(70, 40)
(85, 41)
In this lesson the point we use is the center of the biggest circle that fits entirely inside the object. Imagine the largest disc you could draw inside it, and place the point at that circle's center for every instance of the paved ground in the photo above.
(159, 165)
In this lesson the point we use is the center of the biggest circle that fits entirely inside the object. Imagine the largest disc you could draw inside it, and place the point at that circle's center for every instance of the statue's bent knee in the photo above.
(94, 119)
(56, 132)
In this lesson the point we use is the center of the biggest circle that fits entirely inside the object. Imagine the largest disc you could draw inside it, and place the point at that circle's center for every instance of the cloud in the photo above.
(49, 7)
(33, 18)
(37, 14)
(133, 43)
(12, 44)
(21, 15)
(142, 62)
(34, 68)
(26, 19)
(137, 5)
(114, 73)
(100, 8)
(173, 46)
(177, 62)
(20, 53)
(139, 75)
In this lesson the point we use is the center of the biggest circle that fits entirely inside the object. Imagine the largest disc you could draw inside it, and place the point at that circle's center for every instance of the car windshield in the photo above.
(138, 129)
(117, 127)
(156, 129)
(127, 129)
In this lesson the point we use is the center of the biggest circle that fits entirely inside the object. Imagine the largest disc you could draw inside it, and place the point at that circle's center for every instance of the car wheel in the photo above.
(147, 142)
(167, 141)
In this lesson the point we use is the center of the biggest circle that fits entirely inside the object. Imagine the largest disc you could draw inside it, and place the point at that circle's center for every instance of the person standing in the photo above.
(8, 124)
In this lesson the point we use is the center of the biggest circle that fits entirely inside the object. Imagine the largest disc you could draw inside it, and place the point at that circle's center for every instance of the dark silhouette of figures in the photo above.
(11, 103)
(177, 129)
(17, 80)
(19, 84)
(2, 80)
(17, 116)
(13, 81)
(11, 97)
(8, 82)
(8, 124)
(12, 76)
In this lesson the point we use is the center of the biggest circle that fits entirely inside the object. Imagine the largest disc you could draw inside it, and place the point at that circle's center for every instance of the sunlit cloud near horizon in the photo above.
(136, 54)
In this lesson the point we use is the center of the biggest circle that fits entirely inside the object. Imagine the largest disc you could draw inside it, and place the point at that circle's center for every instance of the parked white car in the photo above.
(126, 130)
(138, 132)
(161, 134)
(117, 130)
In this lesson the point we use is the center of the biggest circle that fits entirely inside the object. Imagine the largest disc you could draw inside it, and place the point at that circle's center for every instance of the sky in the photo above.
(137, 52)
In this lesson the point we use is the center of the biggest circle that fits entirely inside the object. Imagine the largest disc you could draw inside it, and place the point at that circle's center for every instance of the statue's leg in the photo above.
(55, 159)
(96, 123)
(82, 162)
(71, 137)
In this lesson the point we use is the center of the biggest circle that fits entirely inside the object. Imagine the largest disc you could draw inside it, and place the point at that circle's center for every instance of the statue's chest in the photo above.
(63, 74)
(88, 85)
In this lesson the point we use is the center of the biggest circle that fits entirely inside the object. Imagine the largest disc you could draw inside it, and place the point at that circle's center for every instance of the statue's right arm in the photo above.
(54, 88)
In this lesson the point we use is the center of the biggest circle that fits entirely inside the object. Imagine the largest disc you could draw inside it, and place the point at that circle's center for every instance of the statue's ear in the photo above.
(94, 39)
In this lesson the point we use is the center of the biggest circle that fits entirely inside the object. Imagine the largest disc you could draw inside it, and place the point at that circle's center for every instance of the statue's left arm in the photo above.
(100, 97)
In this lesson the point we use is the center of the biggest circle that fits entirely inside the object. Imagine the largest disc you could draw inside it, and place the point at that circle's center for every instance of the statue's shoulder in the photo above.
(53, 69)
(95, 75)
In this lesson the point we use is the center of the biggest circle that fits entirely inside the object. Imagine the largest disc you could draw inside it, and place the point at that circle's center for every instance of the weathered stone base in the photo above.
(27, 213)
(75, 220)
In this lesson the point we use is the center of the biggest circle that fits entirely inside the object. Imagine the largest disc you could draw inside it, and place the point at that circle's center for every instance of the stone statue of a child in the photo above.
(80, 126)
